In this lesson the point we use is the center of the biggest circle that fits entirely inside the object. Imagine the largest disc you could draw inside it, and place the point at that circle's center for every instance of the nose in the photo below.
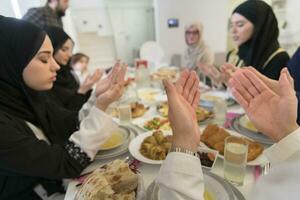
(54, 66)
(70, 54)
(233, 29)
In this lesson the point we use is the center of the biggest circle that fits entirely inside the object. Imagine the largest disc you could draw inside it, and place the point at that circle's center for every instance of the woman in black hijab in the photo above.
(254, 30)
(40, 143)
(67, 90)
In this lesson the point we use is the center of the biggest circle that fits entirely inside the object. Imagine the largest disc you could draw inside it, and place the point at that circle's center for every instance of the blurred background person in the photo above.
(197, 51)
(66, 90)
(49, 15)
(79, 64)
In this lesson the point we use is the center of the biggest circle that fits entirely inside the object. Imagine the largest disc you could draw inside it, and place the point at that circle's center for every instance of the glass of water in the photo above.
(124, 113)
(220, 110)
(235, 159)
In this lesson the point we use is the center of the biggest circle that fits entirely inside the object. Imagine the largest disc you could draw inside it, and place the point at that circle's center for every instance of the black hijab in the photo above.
(64, 78)
(264, 41)
(20, 41)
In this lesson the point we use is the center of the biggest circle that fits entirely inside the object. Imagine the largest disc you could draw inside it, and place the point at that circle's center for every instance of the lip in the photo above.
(235, 38)
(53, 78)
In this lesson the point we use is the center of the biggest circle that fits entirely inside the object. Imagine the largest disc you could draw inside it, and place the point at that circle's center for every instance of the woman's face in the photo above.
(40, 73)
(82, 64)
(63, 55)
(241, 29)
(192, 35)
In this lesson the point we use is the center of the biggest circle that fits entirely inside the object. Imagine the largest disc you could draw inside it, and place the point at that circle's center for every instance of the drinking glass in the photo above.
(124, 113)
(220, 110)
(235, 159)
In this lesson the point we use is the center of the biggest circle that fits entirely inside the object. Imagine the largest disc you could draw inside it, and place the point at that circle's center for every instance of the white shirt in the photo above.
(181, 177)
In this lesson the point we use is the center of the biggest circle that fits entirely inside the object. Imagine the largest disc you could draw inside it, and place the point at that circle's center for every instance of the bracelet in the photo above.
(182, 150)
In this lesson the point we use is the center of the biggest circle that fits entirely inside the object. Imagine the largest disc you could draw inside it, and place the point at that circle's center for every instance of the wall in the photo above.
(6, 8)
(214, 19)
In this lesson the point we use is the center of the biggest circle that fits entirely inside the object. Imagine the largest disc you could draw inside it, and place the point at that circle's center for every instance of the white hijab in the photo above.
(197, 52)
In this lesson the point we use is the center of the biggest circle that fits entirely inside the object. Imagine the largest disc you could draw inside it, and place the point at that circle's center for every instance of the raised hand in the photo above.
(272, 113)
(227, 70)
(115, 89)
(183, 97)
(272, 84)
(103, 84)
(90, 81)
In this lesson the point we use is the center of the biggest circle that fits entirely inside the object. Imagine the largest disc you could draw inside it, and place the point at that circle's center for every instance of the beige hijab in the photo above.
(197, 52)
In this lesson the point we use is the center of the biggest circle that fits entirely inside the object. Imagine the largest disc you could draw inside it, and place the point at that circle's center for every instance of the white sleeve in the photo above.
(281, 183)
(94, 130)
(84, 111)
(284, 149)
(180, 178)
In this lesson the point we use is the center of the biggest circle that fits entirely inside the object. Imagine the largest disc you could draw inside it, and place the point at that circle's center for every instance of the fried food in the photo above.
(164, 73)
(202, 114)
(254, 149)
(157, 123)
(214, 137)
(137, 110)
(156, 146)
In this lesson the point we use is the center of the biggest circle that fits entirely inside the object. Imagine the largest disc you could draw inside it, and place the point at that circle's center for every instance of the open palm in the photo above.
(274, 114)
(182, 100)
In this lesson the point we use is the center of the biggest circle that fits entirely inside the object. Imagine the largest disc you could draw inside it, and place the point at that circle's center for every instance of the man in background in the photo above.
(49, 15)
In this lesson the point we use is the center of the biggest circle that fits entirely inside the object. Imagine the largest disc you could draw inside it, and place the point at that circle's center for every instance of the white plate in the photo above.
(209, 96)
(148, 95)
(141, 121)
(247, 124)
(216, 186)
(134, 148)
(256, 136)
(124, 134)
(261, 159)
(116, 151)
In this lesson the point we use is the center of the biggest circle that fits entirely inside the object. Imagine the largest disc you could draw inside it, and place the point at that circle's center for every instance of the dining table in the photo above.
(150, 171)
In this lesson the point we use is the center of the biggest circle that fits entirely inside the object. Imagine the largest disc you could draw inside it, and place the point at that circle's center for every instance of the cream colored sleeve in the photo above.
(94, 130)
(180, 178)
(84, 111)
(284, 149)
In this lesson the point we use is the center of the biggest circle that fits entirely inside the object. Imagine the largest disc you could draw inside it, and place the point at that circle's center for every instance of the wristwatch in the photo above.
(183, 150)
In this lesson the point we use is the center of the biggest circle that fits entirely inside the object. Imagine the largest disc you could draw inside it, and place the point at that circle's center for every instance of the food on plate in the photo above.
(163, 109)
(113, 181)
(210, 97)
(207, 159)
(115, 140)
(156, 146)
(208, 195)
(137, 110)
(251, 127)
(148, 94)
(201, 113)
(157, 123)
(214, 137)
(164, 73)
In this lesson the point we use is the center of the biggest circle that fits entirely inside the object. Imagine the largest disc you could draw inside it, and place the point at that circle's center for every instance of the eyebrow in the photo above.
(47, 52)
(239, 21)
